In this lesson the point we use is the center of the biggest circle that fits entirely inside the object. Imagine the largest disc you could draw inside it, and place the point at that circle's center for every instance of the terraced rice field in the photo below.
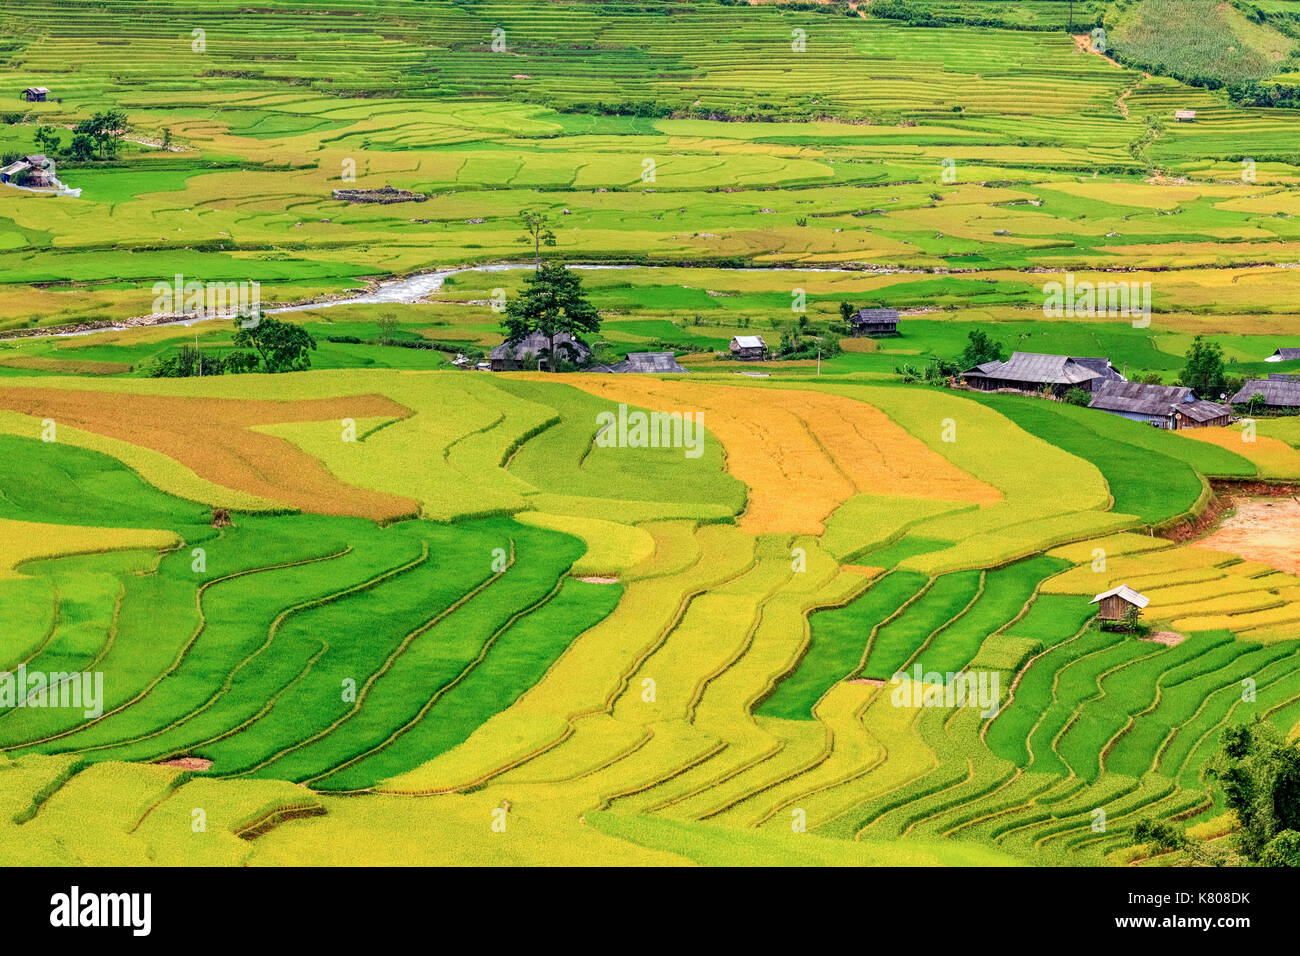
(653, 667)
(388, 611)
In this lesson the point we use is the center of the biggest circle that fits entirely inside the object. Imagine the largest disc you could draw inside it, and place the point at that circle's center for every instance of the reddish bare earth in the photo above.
(1262, 529)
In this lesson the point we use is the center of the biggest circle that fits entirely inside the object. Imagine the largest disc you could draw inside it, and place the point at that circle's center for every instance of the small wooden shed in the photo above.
(1185, 116)
(874, 322)
(35, 94)
(1115, 602)
(748, 348)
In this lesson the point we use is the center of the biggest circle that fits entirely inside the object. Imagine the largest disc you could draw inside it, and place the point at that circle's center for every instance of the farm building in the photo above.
(1165, 406)
(1284, 355)
(512, 356)
(1115, 602)
(35, 94)
(748, 348)
(1281, 393)
(35, 170)
(1185, 116)
(875, 322)
(1036, 372)
(646, 363)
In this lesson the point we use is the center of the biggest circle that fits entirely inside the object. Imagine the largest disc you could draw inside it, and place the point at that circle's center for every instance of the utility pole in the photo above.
(197, 354)
(819, 360)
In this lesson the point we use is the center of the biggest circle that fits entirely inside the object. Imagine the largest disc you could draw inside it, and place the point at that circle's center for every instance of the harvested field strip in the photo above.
(215, 439)
(801, 454)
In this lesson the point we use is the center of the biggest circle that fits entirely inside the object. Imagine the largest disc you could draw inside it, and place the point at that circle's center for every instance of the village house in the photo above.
(1185, 116)
(874, 322)
(1165, 406)
(645, 363)
(1284, 355)
(36, 170)
(748, 348)
(35, 94)
(1281, 393)
(1036, 372)
(1116, 602)
(515, 356)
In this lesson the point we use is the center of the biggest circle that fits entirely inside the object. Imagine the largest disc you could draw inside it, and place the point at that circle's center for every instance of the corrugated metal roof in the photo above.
(1127, 593)
(749, 342)
(1203, 411)
(648, 362)
(1036, 368)
(1139, 399)
(1101, 366)
(874, 316)
(1277, 392)
(1284, 355)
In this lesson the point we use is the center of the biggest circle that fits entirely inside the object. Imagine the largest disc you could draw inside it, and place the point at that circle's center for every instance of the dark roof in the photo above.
(1101, 366)
(648, 362)
(875, 317)
(535, 343)
(1037, 369)
(1203, 411)
(1156, 400)
(1277, 392)
(1288, 355)
(1139, 399)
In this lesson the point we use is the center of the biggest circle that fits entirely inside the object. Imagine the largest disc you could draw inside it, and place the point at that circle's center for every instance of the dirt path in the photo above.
(1263, 529)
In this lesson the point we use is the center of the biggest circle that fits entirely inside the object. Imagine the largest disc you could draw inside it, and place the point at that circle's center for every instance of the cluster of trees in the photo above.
(1265, 94)
(800, 340)
(99, 137)
(1259, 772)
(1206, 373)
(263, 344)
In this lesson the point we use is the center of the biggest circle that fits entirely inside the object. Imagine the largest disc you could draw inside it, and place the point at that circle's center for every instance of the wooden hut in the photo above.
(1037, 372)
(1165, 406)
(748, 348)
(1281, 393)
(514, 356)
(35, 94)
(1284, 355)
(1116, 602)
(874, 322)
(1185, 116)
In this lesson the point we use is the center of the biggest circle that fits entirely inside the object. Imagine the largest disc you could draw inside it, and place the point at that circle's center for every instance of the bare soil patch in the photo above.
(1261, 529)
(598, 579)
(869, 681)
(1168, 638)
(187, 763)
